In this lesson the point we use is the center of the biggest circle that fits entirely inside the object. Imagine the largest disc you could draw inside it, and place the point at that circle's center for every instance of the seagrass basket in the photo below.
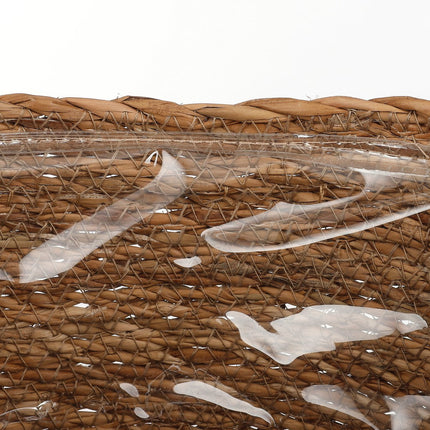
(251, 266)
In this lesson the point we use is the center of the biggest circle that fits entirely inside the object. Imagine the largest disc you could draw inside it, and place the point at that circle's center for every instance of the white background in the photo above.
(223, 51)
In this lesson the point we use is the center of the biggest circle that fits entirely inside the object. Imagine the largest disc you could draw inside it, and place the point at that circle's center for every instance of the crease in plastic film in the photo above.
(289, 225)
(68, 248)
(63, 251)
(31, 413)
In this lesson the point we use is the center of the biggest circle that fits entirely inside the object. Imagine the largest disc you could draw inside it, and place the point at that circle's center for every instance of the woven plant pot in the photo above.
(260, 265)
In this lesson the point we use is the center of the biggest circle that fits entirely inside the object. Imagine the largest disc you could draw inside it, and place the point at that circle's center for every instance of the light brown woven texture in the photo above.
(162, 321)
(388, 117)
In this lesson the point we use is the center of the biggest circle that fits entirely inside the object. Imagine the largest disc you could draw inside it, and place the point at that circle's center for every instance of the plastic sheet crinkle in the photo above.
(202, 280)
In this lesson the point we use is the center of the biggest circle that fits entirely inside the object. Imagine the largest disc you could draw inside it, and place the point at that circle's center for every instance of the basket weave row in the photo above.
(396, 117)
(128, 314)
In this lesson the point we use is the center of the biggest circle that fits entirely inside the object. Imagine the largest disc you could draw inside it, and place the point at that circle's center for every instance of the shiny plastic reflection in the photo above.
(29, 413)
(319, 328)
(407, 412)
(68, 248)
(283, 226)
(209, 393)
(333, 397)
(289, 225)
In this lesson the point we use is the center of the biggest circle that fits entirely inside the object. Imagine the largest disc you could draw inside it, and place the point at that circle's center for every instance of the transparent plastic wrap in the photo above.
(175, 281)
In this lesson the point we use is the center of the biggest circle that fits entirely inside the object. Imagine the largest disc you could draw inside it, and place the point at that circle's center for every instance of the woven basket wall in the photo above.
(137, 291)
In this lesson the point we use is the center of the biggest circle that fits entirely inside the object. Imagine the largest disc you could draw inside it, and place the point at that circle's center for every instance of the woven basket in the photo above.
(250, 266)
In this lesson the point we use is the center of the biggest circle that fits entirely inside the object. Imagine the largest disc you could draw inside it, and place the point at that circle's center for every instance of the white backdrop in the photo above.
(215, 51)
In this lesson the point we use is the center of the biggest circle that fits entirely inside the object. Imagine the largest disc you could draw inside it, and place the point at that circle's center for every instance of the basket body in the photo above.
(222, 281)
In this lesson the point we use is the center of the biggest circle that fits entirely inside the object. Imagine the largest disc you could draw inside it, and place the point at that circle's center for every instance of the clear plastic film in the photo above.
(213, 281)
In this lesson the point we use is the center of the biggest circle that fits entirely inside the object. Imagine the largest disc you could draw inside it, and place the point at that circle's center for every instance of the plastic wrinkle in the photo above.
(68, 248)
(209, 393)
(319, 328)
(253, 234)
(408, 412)
(335, 398)
(33, 413)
